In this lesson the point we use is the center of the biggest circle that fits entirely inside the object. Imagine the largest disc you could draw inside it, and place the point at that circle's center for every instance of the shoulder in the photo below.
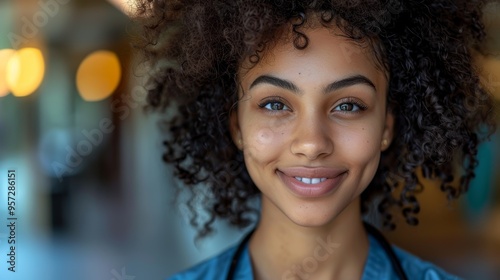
(417, 268)
(208, 269)
(379, 265)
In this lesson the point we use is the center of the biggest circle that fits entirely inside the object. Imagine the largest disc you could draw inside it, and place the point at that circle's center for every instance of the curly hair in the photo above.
(195, 48)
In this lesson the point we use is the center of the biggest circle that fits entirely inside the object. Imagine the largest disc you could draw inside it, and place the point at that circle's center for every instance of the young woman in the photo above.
(323, 110)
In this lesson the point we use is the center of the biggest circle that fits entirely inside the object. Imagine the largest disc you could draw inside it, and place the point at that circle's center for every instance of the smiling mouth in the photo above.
(310, 181)
(312, 175)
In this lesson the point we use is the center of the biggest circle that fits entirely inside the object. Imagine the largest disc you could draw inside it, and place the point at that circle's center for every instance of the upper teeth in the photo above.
(310, 180)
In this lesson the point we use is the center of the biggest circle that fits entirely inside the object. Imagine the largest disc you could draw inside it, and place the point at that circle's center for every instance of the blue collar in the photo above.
(377, 266)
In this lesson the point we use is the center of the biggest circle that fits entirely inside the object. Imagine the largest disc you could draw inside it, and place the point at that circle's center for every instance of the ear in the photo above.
(234, 128)
(388, 132)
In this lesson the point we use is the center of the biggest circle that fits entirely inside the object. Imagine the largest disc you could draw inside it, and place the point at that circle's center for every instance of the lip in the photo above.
(334, 178)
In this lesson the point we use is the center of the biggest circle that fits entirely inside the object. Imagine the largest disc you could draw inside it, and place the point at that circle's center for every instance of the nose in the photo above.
(312, 138)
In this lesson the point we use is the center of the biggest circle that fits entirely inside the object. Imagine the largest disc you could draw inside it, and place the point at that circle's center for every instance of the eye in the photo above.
(275, 106)
(348, 107)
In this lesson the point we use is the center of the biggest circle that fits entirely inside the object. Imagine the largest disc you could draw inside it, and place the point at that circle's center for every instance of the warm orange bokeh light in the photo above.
(5, 56)
(25, 71)
(126, 6)
(491, 75)
(98, 75)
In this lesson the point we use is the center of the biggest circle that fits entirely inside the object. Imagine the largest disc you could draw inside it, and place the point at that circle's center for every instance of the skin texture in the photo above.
(342, 129)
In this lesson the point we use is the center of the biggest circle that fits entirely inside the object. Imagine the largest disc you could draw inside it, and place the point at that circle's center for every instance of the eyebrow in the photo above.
(349, 81)
(266, 79)
(337, 85)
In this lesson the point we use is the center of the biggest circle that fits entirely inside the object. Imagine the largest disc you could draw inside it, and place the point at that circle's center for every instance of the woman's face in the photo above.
(311, 124)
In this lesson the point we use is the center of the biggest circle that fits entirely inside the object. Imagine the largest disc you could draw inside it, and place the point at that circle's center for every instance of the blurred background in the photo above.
(93, 198)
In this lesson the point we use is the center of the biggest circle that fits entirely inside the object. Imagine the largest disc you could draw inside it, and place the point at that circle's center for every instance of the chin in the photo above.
(321, 213)
(312, 218)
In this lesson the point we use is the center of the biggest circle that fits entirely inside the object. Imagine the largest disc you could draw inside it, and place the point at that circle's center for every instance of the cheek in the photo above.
(361, 146)
(263, 144)
(362, 151)
(263, 137)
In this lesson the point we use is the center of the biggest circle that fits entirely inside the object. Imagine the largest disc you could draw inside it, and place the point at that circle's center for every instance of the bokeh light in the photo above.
(98, 75)
(5, 56)
(491, 70)
(126, 6)
(25, 71)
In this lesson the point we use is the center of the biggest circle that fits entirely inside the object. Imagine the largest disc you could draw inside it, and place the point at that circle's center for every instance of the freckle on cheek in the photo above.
(265, 136)
(264, 144)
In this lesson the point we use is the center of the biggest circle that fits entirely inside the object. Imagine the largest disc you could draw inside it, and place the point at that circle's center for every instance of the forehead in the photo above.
(329, 54)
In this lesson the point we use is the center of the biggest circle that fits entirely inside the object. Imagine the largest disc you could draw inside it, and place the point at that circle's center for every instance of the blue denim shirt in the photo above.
(377, 267)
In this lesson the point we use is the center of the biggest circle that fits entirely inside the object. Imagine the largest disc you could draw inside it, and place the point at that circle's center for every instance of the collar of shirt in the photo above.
(377, 265)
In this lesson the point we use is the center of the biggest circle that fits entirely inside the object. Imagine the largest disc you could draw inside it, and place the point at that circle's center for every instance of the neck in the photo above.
(281, 249)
